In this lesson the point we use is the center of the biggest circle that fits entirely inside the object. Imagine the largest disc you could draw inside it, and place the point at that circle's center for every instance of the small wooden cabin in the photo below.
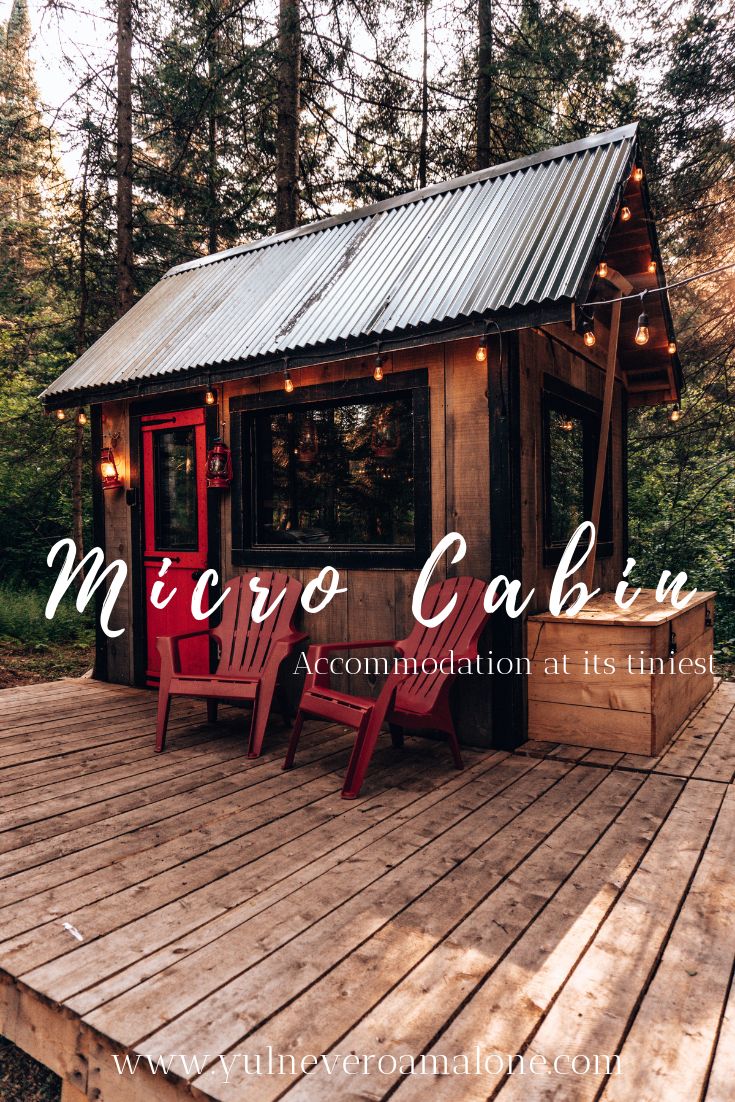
(382, 377)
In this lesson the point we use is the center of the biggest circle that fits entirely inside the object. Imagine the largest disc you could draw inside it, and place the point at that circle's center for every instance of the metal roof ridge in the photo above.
(442, 187)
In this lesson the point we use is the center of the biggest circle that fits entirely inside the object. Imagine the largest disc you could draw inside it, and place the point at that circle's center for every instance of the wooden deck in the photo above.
(552, 903)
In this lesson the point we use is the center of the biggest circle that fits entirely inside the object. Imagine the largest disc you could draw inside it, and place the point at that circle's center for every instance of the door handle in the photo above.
(196, 574)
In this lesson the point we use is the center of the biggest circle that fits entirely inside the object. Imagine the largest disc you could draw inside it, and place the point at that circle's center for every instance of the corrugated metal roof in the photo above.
(499, 240)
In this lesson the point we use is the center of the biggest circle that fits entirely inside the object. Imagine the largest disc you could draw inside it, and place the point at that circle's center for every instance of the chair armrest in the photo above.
(168, 648)
(321, 650)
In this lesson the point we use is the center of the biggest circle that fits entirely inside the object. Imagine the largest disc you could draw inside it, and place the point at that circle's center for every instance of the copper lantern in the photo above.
(108, 469)
(219, 466)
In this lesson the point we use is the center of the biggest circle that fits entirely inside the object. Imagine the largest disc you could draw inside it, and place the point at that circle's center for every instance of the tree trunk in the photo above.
(424, 140)
(287, 138)
(213, 217)
(484, 82)
(77, 456)
(125, 284)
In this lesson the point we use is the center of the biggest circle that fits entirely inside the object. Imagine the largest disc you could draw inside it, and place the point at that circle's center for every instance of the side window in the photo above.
(570, 430)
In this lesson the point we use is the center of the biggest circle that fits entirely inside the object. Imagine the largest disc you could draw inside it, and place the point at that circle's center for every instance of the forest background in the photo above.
(172, 128)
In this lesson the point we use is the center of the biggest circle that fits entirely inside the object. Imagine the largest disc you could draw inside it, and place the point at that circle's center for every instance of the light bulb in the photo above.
(210, 396)
(481, 353)
(672, 347)
(60, 415)
(567, 425)
(675, 414)
(378, 369)
(638, 174)
(625, 214)
(588, 333)
(287, 382)
(602, 269)
(641, 333)
(652, 267)
(81, 417)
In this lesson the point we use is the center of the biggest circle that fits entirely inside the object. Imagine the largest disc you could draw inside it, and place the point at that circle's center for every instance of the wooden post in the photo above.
(612, 353)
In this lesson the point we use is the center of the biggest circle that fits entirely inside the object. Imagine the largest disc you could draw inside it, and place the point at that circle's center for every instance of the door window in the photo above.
(175, 489)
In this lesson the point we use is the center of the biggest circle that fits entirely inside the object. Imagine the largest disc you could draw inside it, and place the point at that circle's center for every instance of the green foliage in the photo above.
(22, 618)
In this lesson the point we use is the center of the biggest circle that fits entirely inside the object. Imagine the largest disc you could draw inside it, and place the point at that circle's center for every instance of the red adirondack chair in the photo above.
(250, 655)
(407, 700)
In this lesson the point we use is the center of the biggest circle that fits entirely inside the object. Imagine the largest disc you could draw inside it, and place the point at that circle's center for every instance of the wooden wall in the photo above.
(377, 604)
(118, 542)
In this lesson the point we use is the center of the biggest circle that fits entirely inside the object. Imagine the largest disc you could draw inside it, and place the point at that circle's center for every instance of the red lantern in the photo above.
(108, 469)
(219, 466)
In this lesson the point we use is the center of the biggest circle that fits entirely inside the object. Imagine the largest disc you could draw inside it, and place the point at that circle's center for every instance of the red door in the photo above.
(175, 525)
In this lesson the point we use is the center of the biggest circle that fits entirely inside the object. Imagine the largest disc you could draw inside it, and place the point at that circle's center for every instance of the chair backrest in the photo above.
(246, 645)
(459, 633)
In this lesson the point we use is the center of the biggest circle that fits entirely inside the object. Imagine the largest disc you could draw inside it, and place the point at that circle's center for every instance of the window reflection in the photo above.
(336, 474)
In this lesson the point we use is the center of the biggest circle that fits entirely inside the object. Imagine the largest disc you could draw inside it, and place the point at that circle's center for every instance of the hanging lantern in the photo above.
(386, 436)
(108, 469)
(219, 466)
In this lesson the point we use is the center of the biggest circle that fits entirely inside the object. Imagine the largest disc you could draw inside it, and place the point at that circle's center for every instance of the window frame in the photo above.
(243, 412)
(563, 398)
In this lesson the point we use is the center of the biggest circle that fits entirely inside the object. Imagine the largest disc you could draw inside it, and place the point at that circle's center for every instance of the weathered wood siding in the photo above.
(118, 542)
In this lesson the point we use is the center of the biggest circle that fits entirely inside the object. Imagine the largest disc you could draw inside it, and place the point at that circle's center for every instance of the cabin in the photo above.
(459, 358)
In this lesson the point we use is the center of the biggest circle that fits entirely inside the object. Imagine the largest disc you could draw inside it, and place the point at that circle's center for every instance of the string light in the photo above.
(652, 267)
(625, 214)
(588, 332)
(642, 333)
(672, 348)
(481, 353)
(638, 174)
(665, 287)
(378, 369)
(602, 269)
(81, 417)
(60, 415)
(287, 382)
(210, 396)
(675, 414)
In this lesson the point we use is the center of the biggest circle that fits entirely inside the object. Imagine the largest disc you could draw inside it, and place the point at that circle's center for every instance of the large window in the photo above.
(571, 432)
(335, 474)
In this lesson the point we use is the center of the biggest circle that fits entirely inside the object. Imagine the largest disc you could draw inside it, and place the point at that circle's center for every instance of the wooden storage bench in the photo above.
(618, 707)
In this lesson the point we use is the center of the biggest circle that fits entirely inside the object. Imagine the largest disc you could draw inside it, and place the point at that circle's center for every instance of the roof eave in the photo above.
(530, 315)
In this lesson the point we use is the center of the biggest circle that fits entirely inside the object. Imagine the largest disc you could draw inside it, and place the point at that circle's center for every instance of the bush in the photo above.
(22, 618)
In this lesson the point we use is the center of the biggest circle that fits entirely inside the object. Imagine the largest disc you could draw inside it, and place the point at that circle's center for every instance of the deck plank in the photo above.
(431, 947)
(554, 899)
(504, 1011)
